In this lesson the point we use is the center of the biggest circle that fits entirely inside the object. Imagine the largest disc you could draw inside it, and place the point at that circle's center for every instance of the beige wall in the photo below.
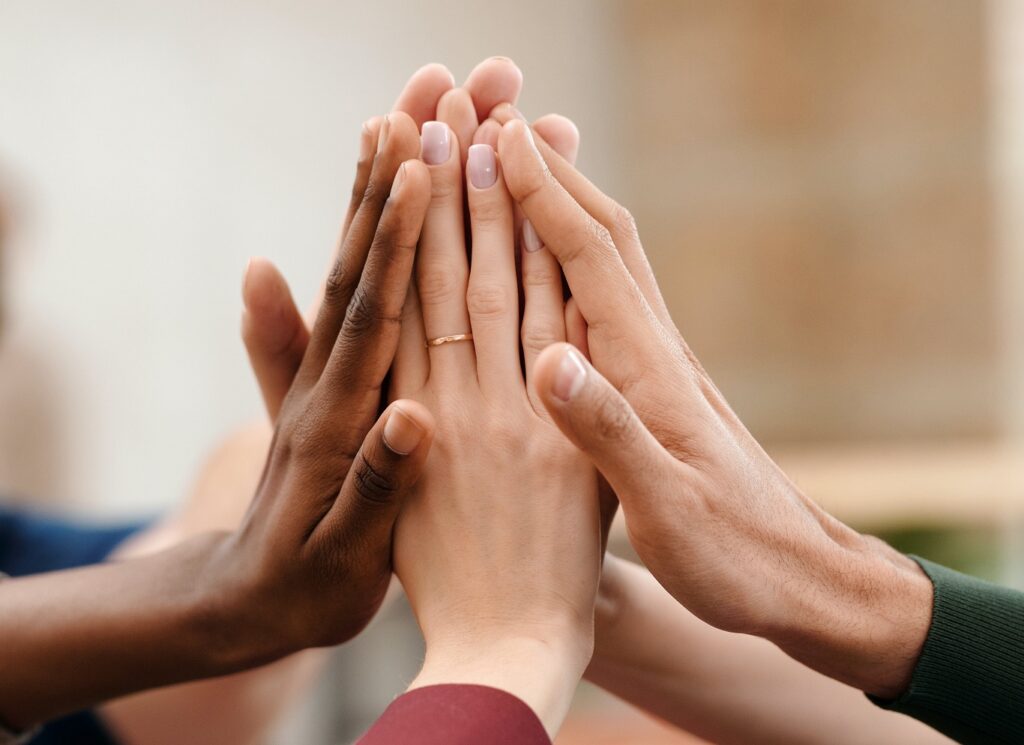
(813, 182)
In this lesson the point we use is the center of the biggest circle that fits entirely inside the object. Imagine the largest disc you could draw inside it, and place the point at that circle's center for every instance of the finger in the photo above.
(365, 347)
(456, 110)
(388, 464)
(493, 295)
(613, 216)
(604, 289)
(559, 133)
(368, 138)
(495, 80)
(601, 423)
(273, 330)
(542, 276)
(543, 306)
(412, 362)
(442, 270)
(420, 96)
(398, 142)
(487, 133)
(576, 327)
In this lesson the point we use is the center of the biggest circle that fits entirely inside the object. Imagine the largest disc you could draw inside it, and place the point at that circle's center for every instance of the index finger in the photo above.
(604, 289)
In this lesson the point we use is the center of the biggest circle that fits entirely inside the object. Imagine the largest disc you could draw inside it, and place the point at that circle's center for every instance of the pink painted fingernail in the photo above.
(481, 166)
(401, 432)
(436, 143)
(531, 241)
(570, 376)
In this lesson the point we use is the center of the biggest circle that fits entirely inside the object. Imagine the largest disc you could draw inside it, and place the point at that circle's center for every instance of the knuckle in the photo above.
(613, 421)
(488, 209)
(488, 300)
(339, 285)
(623, 222)
(599, 239)
(444, 190)
(540, 276)
(375, 194)
(538, 337)
(374, 484)
(364, 312)
(437, 286)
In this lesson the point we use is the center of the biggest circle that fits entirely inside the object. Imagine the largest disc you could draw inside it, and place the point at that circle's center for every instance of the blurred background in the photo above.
(831, 193)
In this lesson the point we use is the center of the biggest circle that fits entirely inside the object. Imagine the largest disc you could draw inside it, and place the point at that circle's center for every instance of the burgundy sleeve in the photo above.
(457, 715)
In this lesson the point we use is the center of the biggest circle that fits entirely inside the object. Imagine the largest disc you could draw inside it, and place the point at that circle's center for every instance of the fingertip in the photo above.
(561, 134)
(262, 285)
(560, 372)
(437, 72)
(493, 81)
(487, 133)
(408, 426)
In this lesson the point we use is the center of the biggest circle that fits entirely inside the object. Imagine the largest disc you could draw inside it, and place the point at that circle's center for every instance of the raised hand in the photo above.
(498, 548)
(716, 521)
(274, 331)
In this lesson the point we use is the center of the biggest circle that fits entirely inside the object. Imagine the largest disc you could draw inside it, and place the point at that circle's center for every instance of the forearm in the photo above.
(727, 688)
(70, 639)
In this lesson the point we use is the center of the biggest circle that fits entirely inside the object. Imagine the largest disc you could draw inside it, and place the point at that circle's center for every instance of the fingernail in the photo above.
(531, 241)
(436, 143)
(481, 166)
(399, 179)
(385, 127)
(401, 432)
(570, 376)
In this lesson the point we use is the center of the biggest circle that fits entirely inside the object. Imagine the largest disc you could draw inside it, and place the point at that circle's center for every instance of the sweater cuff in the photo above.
(969, 681)
(457, 715)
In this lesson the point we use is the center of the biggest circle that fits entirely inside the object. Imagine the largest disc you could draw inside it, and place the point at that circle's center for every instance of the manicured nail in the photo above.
(399, 179)
(401, 432)
(531, 241)
(436, 143)
(481, 166)
(385, 127)
(570, 376)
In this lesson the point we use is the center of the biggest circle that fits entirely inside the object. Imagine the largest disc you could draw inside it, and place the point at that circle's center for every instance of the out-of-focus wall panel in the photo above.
(811, 180)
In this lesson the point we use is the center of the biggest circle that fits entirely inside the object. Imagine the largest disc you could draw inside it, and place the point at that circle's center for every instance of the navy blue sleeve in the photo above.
(32, 543)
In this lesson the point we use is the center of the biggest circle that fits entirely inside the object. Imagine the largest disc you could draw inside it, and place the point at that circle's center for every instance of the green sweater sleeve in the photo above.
(969, 680)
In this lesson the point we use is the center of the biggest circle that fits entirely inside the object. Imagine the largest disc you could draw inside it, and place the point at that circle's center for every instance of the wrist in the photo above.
(231, 613)
(866, 620)
(540, 666)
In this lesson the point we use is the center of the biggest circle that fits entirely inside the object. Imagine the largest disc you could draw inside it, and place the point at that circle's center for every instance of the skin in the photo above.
(726, 688)
(538, 655)
(502, 582)
(717, 522)
(312, 559)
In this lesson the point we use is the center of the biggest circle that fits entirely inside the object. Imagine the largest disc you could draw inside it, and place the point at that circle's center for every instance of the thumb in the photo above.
(387, 465)
(274, 333)
(600, 422)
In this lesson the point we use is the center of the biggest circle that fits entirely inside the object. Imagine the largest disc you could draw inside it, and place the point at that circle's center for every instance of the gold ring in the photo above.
(445, 339)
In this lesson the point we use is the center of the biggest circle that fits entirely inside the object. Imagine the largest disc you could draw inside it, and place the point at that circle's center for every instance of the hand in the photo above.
(498, 546)
(274, 331)
(716, 521)
(316, 544)
(312, 559)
